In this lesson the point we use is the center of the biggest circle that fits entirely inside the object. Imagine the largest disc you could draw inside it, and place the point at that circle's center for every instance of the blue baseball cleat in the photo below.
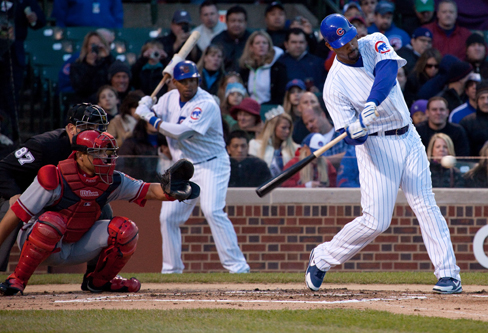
(313, 276)
(448, 285)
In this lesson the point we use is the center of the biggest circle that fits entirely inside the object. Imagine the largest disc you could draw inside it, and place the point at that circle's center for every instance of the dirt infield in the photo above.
(399, 299)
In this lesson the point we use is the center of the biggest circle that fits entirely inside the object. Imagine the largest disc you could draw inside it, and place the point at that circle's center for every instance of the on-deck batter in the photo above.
(362, 80)
(191, 120)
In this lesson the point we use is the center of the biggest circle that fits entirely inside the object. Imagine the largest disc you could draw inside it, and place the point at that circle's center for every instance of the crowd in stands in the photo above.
(268, 84)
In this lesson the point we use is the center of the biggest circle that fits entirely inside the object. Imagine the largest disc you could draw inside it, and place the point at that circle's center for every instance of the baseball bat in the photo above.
(278, 180)
(185, 50)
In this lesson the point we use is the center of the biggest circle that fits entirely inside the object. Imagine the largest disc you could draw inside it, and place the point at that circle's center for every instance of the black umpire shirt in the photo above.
(19, 168)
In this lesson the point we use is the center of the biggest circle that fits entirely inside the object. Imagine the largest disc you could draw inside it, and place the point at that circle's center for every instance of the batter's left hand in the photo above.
(368, 115)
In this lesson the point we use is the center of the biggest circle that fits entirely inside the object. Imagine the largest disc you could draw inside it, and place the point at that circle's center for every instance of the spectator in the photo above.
(211, 25)
(417, 111)
(421, 41)
(119, 76)
(448, 37)
(478, 176)
(437, 83)
(180, 31)
(90, 71)
(245, 170)
(316, 121)
(476, 124)
(314, 47)
(108, 99)
(402, 78)
(122, 125)
(294, 91)
(275, 20)
(307, 100)
(441, 145)
(469, 106)
(144, 141)
(15, 24)
(425, 69)
(264, 77)
(348, 174)
(368, 7)
(352, 9)
(274, 145)
(424, 9)
(107, 14)
(383, 22)
(231, 77)
(147, 71)
(300, 64)
(234, 94)
(476, 54)
(248, 117)
(318, 173)
(211, 67)
(437, 113)
(454, 91)
(234, 38)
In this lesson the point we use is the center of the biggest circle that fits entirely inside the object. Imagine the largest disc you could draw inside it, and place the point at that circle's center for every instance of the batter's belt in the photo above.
(398, 131)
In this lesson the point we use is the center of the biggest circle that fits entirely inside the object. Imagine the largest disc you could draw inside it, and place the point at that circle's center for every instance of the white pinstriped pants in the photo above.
(385, 164)
(213, 179)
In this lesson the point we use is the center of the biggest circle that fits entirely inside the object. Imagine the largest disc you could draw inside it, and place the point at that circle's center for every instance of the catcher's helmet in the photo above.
(337, 30)
(102, 147)
(185, 70)
(88, 116)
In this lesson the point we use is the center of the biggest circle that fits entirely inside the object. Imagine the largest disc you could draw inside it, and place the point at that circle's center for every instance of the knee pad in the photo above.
(122, 243)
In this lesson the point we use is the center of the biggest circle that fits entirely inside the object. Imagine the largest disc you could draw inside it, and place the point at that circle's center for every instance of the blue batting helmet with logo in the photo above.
(185, 70)
(337, 30)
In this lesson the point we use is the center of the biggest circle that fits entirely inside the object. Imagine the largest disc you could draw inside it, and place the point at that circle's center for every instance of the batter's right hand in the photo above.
(356, 130)
(148, 101)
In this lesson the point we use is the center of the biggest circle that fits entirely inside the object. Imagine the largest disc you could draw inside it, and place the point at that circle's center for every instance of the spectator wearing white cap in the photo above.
(383, 22)
(234, 94)
(421, 41)
(318, 173)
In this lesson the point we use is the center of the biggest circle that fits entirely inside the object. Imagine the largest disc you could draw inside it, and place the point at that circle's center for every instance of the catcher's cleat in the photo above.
(117, 284)
(12, 286)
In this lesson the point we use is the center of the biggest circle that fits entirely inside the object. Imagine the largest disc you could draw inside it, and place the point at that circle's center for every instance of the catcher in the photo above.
(60, 211)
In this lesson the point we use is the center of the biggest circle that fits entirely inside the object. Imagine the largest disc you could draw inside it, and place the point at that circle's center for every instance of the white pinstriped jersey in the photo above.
(347, 88)
(202, 115)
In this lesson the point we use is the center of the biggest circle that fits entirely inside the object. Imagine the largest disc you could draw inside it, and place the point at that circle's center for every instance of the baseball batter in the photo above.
(389, 152)
(191, 120)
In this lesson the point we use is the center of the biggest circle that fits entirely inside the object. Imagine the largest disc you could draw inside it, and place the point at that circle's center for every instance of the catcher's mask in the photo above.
(102, 147)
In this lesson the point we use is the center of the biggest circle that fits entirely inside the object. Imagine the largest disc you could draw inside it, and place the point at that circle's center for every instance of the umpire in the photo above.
(19, 168)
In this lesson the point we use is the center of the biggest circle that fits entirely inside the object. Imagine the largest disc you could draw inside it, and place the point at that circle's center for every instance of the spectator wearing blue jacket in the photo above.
(348, 174)
(383, 22)
(87, 13)
(300, 64)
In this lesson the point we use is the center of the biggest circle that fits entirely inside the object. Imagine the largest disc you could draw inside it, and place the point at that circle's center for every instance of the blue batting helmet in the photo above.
(337, 30)
(185, 70)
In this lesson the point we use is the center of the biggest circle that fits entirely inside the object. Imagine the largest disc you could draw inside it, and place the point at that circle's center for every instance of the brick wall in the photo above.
(276, 233)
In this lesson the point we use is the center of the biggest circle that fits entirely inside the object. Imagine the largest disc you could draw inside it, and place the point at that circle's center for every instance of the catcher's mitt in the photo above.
(176, 183)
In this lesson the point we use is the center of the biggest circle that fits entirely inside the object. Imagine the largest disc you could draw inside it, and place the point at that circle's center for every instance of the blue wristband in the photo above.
(154, 121)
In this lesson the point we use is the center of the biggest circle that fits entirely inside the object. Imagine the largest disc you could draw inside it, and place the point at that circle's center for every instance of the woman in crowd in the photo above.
(231, 77)
(294, 90)
(211, 67)
(247, 114)
(264, 77)
(478, 176)
(275, 145)
(318, 173)
(147, 71)
(441, 145)
(426, 68)
(108, 99)
(123, 124)
(90, 71)
(234, 94)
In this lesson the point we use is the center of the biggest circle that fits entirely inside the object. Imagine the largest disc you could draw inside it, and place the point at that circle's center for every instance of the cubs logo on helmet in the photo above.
(381, 47)
(340, 31)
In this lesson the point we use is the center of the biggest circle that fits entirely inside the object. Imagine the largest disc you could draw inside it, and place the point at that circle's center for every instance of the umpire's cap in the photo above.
(337, 30)
(185, 70)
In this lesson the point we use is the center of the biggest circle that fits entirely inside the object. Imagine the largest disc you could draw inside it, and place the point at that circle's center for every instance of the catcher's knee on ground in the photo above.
(122, 243)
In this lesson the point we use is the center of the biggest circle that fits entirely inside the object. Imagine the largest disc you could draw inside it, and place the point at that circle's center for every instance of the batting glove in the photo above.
(145, 113)
(148, 101)
(171, 66)
(356, 130)
(368, 115)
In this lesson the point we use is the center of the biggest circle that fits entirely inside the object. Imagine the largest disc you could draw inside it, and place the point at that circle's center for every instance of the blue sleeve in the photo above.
(385, 78)
(353, 142)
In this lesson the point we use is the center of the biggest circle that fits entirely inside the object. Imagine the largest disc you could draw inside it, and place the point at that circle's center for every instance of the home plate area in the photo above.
(400, 299)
